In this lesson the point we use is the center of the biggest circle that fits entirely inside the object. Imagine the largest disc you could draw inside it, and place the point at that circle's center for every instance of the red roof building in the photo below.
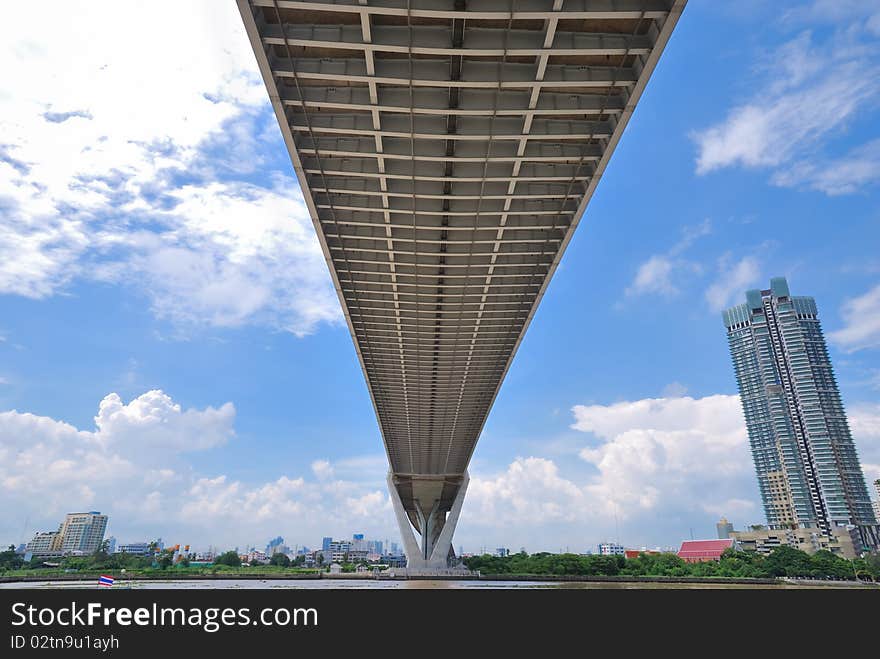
(695, 551)
(634, 553)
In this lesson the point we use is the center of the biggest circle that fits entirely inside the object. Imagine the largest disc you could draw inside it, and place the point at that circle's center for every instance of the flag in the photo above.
(105, 581)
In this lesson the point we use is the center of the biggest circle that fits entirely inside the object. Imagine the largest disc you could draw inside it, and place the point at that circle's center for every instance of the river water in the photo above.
(347, 584)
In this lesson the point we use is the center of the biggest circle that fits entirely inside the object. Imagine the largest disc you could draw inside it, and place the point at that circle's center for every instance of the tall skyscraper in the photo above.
(808, 470)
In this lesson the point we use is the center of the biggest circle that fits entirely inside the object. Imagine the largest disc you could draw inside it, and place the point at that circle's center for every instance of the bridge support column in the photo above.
(436, 528)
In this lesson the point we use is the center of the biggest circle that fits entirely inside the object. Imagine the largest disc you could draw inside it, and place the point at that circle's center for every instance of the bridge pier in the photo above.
(435, 527)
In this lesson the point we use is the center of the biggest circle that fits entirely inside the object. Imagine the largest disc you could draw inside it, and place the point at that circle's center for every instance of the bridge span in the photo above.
(446, 150)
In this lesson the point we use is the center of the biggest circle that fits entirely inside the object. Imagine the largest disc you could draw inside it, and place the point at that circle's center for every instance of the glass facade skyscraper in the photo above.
(808, 470)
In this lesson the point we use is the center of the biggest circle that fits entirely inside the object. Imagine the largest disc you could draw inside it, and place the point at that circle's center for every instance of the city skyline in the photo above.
(186, 370)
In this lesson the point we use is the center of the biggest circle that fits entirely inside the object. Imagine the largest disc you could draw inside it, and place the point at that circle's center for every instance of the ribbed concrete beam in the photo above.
(446, 150)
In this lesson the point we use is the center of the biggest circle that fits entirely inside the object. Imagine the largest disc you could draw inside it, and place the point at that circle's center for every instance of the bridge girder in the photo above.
(446, 150)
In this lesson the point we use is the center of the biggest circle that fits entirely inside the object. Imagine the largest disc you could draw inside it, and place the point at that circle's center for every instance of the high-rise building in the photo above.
(724, 528)
(808, 470)
(273, 545)
(82, 532)
(325, 543)
(79, 533)
(877, 500)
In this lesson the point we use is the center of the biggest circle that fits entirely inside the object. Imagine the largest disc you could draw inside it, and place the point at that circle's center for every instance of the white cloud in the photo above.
(734, 278)
(111, 162)
(156, 423)
(135, 466)
(668, 455)
(322, 469)
(658, 274)
(653, 276)
(849, 173)
(529, 492)
(861, 317)
(814, 91)
(836, 11)
(656, 466)
(864, 423)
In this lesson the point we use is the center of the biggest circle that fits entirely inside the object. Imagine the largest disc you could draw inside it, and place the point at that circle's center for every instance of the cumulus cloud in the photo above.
(861, 327)
(138, 170)
(649, 470)
(135, 464)
(812, 92)
(678, 453)
(530, 491)
(655, 467)
(157, 423)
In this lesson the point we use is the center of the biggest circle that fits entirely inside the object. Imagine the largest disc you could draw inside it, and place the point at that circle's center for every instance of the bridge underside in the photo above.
(446, 150)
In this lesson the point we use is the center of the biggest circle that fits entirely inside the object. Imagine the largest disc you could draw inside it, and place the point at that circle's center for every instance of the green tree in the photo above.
(9, 560)
(280, 560)
(230, 558)
(787, 561)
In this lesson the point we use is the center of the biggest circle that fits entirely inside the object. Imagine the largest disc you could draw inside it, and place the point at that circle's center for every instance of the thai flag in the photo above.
(105, 581)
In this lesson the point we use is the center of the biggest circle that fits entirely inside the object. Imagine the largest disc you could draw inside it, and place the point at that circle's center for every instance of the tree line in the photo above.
(781, 562)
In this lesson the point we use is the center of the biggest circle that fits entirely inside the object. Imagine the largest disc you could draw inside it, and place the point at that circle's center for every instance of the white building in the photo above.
(135, 548)
(82, 532)
(45, 543)
(78, 534)
(611, 549)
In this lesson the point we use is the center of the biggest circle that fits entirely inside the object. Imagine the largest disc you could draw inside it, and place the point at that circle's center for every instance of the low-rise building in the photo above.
(135, 548)
(44, 543)
(810, 539)
(634, 553)
(696, 551)
(611, 549)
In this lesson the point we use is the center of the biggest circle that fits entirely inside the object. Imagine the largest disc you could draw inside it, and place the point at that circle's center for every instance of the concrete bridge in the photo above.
(446, 150)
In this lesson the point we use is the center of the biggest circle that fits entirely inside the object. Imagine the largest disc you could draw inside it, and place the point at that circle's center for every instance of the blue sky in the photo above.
(157, 261)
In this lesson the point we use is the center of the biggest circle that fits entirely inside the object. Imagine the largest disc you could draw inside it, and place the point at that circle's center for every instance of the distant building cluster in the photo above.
(332, 554)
